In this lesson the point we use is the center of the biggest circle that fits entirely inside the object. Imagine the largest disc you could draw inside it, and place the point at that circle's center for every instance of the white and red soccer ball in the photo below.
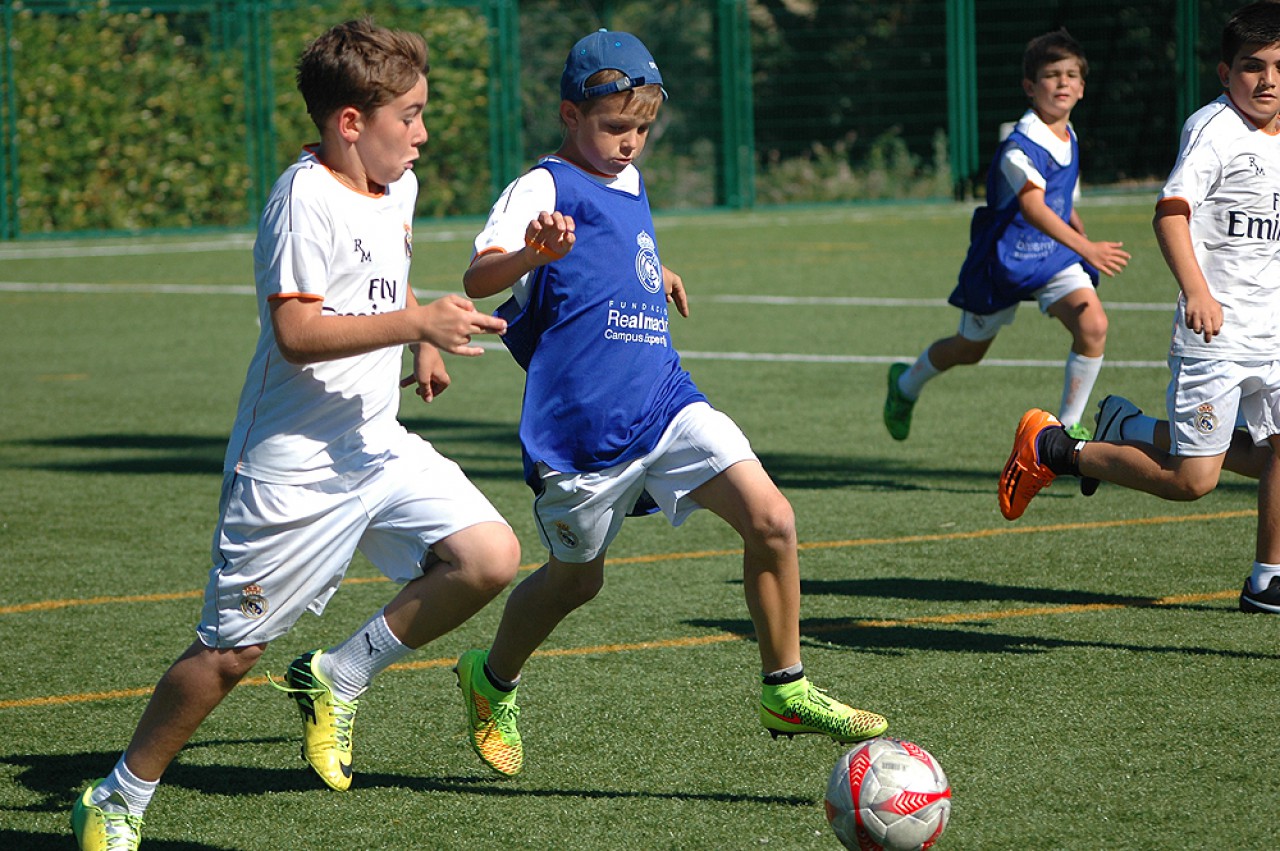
(888, 795)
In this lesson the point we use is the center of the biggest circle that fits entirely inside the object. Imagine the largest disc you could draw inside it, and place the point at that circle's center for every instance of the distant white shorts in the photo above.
(977, 327)
(1205, 399)
(280, 550)
(579, 514)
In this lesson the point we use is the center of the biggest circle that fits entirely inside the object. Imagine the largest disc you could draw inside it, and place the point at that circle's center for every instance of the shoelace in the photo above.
(122, 829)
(502, 716)
(344, 711)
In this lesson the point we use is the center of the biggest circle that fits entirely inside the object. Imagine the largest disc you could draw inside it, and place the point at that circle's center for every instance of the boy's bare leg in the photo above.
(1268, 545)
(748, 500)
(192, 687)
(537, 606)
(957, 351)
(1142, 467)
(476, 564)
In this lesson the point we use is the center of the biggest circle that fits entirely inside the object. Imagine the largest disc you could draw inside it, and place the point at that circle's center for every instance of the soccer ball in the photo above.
(888, 795)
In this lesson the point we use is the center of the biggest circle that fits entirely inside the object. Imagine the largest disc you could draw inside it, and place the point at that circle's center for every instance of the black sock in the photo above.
(497, 682)
(787, 675)
(1059, 451)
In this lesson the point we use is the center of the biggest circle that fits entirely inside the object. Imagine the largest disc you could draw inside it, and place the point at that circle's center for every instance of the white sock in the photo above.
(1262, 575)
(913, 380)
(1080, 375)
(1139, 427)
(352, 665)
(123, 790)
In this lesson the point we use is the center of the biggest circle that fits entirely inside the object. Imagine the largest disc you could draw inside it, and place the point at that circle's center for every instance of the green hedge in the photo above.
(129, 118)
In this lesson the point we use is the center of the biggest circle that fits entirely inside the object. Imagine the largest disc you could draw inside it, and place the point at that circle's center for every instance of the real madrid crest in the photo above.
(1206, 419)
(566, 534)
(648, 269)
(252, 603)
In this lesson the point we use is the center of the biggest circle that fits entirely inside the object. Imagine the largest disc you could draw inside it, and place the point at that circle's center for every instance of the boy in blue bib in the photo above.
(611, 423)
(1027, 243)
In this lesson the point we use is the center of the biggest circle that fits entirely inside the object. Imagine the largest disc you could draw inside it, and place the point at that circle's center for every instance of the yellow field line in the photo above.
(720, 638)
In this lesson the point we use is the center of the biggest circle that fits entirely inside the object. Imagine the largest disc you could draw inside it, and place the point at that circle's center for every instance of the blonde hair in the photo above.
(643, 101)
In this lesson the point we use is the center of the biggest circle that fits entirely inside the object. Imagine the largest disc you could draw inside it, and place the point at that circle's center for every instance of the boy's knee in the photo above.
(1188, 488)
(491, 564)
(774, 523)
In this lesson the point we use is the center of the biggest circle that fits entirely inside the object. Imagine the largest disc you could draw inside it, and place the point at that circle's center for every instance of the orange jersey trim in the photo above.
(302, 296)
(1174, 205)
(493, 249)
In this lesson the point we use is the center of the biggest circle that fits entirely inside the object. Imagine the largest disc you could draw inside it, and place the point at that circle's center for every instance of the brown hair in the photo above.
(1049, 48)
(359, 64)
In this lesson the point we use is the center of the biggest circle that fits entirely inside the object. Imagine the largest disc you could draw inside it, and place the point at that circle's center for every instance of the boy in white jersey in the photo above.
(611, 423)
(1027, 243)
(318, 465)
(1218, 225)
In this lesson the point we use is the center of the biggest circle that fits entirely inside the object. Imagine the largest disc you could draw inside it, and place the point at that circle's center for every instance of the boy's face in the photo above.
(1056, 90)
(1252, 80)
(390, 136)
(606, 139)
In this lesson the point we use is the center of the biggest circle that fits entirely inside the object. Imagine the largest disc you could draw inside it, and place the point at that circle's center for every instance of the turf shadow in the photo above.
(962, 637)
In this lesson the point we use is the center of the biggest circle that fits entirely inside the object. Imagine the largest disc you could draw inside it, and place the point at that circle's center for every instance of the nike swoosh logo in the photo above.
(791, 718)
(346, 769)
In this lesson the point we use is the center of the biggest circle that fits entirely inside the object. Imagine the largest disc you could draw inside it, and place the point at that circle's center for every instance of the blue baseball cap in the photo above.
(603, 49)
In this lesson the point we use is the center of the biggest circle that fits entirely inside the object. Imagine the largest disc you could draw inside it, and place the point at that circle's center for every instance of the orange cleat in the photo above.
(1024, 476)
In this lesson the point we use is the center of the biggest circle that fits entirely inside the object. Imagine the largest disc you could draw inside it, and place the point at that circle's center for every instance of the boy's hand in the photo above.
(429, 372)
(548, 238)
(1107, 257)
(1204, 316)
(449, 322)
(674, 286)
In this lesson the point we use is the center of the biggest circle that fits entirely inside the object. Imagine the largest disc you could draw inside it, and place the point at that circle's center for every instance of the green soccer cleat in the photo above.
(491, 716)
(1079, 431)
(800, 707)
(897, 407)
(327, 721)
(99, 829)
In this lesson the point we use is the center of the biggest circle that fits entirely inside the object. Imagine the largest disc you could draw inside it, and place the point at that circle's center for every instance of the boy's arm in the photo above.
(1172, 225)
(1107, 257)
(305, 335)
(429, 371)
(546, 239)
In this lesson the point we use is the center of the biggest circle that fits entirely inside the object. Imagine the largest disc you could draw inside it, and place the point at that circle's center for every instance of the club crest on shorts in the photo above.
(252, 603)
(648, 269)
(1206, 419)
(565, 534)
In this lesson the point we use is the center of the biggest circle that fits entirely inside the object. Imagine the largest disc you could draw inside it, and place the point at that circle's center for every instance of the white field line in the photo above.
(766, 357)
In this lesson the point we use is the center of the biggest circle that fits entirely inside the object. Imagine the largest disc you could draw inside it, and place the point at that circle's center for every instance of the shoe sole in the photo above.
(1251, 606)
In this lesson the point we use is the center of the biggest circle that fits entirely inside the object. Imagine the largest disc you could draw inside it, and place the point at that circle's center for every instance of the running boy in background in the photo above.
(610, 418)
(1028, 242)
(317, 465)
(1216, 223)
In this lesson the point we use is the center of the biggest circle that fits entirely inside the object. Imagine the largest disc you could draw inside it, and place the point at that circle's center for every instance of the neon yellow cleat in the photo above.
(327, 721)
(99, 829)
(800, 707)
(491, 716)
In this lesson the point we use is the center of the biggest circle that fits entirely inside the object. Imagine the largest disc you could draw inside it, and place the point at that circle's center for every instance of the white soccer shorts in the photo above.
(978, 327)
(1205, 398)
(282, 549)
(579, 514)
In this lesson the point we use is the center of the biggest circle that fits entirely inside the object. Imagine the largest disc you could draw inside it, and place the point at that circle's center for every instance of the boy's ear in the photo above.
(349, 121)
(1028, 86)
(569, 114)
(1224, 74)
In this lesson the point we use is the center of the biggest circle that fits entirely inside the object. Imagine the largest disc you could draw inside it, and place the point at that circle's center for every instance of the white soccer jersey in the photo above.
(319, 238)
(1228, 173)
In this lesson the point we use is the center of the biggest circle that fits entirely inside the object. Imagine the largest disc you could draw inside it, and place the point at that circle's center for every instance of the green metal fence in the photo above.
(120, 115)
